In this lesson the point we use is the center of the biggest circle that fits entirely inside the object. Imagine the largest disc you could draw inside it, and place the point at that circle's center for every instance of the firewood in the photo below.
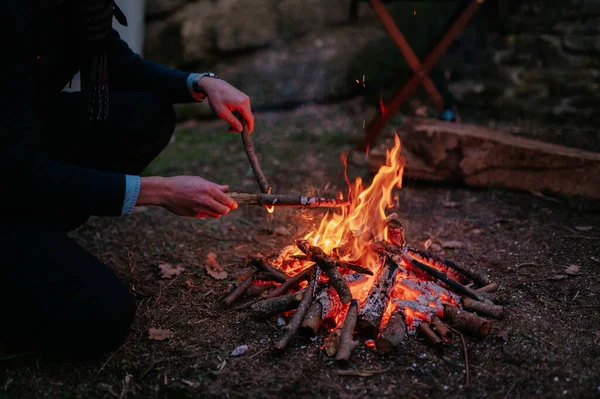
(292, 327)
(483, 308)
(290, 283)
(442, 277)
(317, 255)
(312, 320)
(326, 306)
(393, 334)
(441, 328)
(488, 289)
(239, 290)
(426, 258)
(287, 200)
(347, 341)
(430, 336)
(249, 148)
(274, 273)
(372, 309)
(466, 321)
(273, 306)
(258, 289)
(343, 265)
(482, 157)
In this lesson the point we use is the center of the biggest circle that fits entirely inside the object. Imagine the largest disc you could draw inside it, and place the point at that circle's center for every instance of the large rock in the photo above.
(302, 16)
(159, 7)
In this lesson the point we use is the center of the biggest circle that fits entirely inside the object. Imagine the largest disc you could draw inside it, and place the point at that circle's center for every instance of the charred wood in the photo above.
(441, 329)
(287, 200)
(273, 306)
(430, 336)
(239, 290)
(312, 320)
(290, 283)
(466, 321)
(274, 273)
(393, 334)
(259, 289)
(347, 341)
(482, 308)
(489, 289)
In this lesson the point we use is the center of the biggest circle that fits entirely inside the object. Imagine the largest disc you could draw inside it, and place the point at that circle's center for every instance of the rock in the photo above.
(159, 7)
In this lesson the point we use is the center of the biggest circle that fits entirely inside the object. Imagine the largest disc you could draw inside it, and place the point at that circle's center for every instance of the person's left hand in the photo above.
(224, 99)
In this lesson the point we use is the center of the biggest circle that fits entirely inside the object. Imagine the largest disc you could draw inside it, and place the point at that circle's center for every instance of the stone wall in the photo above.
(517, 60)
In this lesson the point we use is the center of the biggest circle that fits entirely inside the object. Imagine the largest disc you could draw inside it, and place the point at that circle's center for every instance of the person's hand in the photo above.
(224, 99)
(186, 196)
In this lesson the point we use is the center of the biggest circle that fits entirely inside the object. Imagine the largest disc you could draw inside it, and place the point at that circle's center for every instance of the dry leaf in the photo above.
(573, 270)
(169, 271)
(240, 350)
(503, 335)
(583, 228)
(451, 244)
(158, 334)
(282, 231)
(213, 268)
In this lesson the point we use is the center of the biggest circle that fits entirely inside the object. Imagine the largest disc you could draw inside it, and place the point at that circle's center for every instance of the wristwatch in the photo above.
(195, 84)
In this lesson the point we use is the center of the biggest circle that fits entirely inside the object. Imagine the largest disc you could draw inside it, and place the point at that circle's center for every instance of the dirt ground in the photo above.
(544, 252)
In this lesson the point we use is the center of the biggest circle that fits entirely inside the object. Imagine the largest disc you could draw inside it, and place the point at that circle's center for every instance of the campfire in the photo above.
(356, 279)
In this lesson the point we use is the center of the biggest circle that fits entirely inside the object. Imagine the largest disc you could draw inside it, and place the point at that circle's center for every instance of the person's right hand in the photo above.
(187, 196)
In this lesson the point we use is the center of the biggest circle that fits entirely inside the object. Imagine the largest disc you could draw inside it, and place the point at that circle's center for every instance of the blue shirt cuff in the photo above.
(132, 191)
(190, 85)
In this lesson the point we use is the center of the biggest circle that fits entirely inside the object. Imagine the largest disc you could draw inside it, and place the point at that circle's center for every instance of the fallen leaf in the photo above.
(158, 334)
(283, 231)
(503, 335)
(573, 270)
(169, 271)
(240, 350)
(427, 244)
(583, 228)
(451, 244)
(213, 268)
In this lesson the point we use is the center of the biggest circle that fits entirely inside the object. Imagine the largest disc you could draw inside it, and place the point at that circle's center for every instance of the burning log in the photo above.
(466, 321)
(347, 341)
(288, 200)
(488, 289)
(343, 265)
(430, 336)
(239, 290)
(317, 255)
(312, 321)
(273, 306)
(441, 328)
(290, 283)
(426, 258)
(371, 312)
(450, 283)
(482, 308)
(274, 273)
(393, 334)
(309, 294)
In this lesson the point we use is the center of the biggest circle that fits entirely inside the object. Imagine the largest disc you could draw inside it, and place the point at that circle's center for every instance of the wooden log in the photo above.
(466, 321)
(442, 277)
(290, 283)
(312, 320)
(347, 341)
(482, 308)
(343, 265)
(292, 327)
(259, 289)
(478, 277)
(488, 289)
(287, 200)
(317, 255)
(274, 273)
(240, 289)
(326, 306)
(273, 306)
(393, 334)
(441, 329)
(482, 157)
(372, 309)
(430, 336)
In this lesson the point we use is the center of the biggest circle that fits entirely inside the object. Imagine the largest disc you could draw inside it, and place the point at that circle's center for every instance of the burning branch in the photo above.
(325, 306)
(291, 328)
(347, 341)
(288, 200)
(274, 273)
(290, 283)
(393, 334)
(371, 312)
(277, 305)
(317, 255)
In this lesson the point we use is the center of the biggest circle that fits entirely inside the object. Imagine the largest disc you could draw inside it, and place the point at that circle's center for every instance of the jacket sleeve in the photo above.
(128, 71)
(31, 181)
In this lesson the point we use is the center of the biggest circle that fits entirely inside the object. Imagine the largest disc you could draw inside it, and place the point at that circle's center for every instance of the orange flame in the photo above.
(270, 208)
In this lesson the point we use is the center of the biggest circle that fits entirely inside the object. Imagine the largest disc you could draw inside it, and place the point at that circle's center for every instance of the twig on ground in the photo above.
(464, 345)
(109, 359)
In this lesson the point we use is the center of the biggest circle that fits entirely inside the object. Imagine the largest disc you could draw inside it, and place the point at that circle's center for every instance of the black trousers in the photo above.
(54, 295)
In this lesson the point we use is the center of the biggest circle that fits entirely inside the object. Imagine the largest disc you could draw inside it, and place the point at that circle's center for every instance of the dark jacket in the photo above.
(39, 48)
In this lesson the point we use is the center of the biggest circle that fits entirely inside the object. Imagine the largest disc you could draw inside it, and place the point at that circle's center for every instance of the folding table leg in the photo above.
(390, 109)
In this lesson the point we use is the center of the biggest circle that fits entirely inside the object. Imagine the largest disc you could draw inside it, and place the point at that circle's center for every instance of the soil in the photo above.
(544, 252)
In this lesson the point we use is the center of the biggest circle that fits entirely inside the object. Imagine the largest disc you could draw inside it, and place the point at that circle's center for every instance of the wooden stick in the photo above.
(466, 321)
(249, 148)
(312, 320)
(393, 334)
(239, 290)
(347, 341)
(259, 289)
(441, 276)
(371, 312)
(441, 328)
(290, 283)
(483, 308)
(288, 200)
(274, 273)
(317, 255)
(488, 289)
(309, 294)
(277, 305)
(431, 260)
(425, 331)
(342, 264)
